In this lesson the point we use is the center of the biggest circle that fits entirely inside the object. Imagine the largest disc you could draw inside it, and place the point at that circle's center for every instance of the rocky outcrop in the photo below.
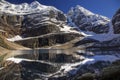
(40, 30)
(48, 40)
(42, 23)
(116, 22)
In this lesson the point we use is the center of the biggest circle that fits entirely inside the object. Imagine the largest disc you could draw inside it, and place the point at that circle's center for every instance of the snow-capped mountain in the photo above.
(85, 20)
(24, 8)
(95, 26)
(32, 19)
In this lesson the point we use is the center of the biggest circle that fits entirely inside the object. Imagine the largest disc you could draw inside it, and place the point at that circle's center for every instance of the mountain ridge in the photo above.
(23, 8)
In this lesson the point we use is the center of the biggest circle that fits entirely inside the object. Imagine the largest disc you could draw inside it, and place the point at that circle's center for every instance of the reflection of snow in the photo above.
(1, 68)
(19, 60)
(15, 60)
(88, 60)
(72, 68)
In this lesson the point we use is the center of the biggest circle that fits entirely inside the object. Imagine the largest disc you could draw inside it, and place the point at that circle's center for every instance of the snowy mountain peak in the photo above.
(87, 21)
(24, 8)
(81, 9)
(36, 4)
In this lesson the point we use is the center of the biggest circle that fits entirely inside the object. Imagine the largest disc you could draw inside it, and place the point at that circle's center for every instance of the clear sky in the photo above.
(103, 7)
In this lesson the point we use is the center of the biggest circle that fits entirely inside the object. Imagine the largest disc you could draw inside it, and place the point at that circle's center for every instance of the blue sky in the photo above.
(103, 7)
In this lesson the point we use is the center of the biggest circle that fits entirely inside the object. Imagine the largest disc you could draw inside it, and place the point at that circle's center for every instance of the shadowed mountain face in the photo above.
(116, 22)
(79, 45)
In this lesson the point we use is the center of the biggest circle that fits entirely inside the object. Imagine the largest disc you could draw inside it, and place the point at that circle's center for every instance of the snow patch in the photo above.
(16, 38)
(67, 29)
(1, 68)
(18, 60)
(15, 60)
(102, 37)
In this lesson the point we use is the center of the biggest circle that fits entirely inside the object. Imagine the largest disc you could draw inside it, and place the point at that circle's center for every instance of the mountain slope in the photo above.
(34, 20)
(9, 45)
(31, 20)
(93, 25)
(85, 20)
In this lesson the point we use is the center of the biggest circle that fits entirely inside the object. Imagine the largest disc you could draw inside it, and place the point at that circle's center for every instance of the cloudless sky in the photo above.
(102, 7)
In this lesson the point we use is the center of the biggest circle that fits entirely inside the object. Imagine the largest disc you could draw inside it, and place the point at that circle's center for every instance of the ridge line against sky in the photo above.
(103, 7)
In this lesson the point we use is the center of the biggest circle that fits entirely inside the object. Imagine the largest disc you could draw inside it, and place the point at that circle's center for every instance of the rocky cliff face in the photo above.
(44, 22)
(48, 40)
(116, 22)
(38, 21)
(35, 19)
(11, 24)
